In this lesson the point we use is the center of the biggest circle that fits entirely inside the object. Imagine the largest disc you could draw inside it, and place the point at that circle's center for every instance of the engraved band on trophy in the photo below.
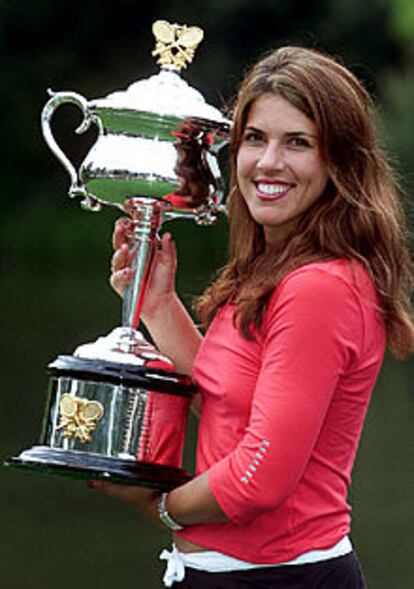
(116, 407)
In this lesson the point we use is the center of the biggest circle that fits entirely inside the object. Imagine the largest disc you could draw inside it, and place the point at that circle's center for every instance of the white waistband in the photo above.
(216, 562)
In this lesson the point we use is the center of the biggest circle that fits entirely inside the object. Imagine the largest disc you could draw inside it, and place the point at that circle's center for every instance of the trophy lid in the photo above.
(166, 93)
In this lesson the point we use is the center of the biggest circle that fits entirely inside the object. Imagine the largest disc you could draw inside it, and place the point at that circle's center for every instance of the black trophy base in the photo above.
(81, 465)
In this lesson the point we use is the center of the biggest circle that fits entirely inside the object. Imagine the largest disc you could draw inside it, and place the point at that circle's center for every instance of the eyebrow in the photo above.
(299, 134)
(288, 133)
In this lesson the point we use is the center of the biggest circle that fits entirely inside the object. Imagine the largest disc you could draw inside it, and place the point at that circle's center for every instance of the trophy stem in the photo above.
(147, 216)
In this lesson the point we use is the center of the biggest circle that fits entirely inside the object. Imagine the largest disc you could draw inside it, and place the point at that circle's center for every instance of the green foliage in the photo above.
(398, 118)
(402, 20)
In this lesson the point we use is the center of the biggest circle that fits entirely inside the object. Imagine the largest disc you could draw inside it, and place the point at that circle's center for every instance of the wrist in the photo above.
(152, 314)
(165, 516)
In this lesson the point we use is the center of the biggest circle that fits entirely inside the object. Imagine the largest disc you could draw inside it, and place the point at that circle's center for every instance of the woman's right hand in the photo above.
(161, 286)
(171, 327)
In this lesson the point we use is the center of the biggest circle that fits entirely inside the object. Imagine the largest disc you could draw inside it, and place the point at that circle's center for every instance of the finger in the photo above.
(111, 489)
(120, 259)
(119, 280)
(129, 493)
(122, 232)
(168, 248)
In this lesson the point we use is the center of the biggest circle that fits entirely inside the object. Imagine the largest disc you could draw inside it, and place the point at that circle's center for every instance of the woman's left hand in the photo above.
(190, 504)
(140, 498)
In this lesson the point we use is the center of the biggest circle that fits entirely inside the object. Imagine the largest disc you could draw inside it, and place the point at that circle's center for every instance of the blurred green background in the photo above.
(54, 260)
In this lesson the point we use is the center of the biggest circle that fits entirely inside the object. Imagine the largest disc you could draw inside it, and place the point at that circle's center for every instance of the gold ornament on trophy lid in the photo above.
(175, 44)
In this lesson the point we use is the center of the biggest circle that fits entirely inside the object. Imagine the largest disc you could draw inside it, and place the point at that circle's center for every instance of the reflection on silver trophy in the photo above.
(116, 407)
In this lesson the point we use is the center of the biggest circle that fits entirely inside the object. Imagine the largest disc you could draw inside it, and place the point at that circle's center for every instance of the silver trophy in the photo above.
(117, 409)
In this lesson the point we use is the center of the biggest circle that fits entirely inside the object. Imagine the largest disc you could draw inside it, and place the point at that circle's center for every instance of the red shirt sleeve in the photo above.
(312, 333)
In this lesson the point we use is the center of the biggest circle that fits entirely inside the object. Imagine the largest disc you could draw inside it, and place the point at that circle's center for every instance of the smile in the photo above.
(266, 189)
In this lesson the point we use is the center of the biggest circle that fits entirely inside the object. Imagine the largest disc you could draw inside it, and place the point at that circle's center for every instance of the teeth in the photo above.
(272, 188)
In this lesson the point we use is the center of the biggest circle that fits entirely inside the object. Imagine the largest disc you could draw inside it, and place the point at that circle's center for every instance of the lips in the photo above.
(271, 190)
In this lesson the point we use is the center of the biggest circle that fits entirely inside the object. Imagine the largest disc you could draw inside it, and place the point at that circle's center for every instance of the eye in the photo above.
(299, 142)
(252, 136)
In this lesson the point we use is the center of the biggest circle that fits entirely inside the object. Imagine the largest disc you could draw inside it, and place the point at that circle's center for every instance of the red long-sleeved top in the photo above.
(282, 415)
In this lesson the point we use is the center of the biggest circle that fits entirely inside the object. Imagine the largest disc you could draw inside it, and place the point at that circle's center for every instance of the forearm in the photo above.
(190, 504)
(174, 333)
(194, 503)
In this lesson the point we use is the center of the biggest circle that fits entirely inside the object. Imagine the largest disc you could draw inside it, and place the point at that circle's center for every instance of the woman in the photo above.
(316, 286)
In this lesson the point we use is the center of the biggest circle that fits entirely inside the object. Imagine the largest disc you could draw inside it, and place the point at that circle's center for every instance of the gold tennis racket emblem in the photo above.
(175, 44)
(79, 417)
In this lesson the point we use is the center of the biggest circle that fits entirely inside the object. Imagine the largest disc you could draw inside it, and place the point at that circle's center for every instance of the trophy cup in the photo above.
(117, 409)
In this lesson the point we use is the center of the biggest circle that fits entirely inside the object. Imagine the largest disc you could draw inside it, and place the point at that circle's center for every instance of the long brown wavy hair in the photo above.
(358, 217)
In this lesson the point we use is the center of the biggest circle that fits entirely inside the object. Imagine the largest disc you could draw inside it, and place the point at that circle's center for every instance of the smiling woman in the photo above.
(317, 284)
(280, 170)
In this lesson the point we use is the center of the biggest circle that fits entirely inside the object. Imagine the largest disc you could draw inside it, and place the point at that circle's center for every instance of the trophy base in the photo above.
(81, 465)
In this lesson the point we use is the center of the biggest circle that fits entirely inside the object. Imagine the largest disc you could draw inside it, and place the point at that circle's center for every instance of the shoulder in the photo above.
(323, 281)
(336, 295)
(325, 310)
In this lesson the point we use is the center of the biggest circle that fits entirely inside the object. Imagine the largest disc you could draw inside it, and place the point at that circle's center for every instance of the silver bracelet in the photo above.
(165, 517)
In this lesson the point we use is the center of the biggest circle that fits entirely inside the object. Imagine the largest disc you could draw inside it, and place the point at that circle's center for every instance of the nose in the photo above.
(271, 158)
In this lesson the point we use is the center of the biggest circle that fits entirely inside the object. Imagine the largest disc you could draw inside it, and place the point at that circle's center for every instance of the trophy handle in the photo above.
(77, 188)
